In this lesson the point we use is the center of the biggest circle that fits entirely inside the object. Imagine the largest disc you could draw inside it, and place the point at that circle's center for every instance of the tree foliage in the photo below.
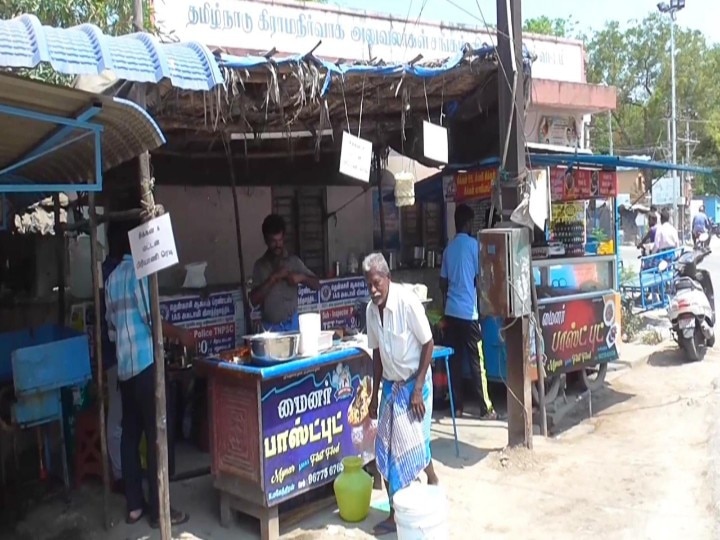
(635, 58)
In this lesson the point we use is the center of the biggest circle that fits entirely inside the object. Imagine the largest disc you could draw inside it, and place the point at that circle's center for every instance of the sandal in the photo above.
(176, 518)
(385, 527)
(132, 521)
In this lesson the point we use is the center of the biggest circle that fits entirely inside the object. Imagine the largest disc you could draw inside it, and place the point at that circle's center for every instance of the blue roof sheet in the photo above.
(382, 70)
(85, 50)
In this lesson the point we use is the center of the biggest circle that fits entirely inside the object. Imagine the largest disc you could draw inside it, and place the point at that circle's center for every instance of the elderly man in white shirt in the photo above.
(401, 340)
(666, 236)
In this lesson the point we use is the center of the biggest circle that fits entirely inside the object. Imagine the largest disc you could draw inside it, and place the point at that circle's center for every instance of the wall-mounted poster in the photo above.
(559, 131)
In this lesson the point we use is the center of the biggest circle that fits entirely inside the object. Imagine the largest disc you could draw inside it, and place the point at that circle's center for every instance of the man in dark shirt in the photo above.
(276, 277)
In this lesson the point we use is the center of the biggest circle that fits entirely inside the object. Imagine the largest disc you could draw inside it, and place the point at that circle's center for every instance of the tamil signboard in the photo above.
(311, 421)
(580, 333)
(294, 28)
(580, 184)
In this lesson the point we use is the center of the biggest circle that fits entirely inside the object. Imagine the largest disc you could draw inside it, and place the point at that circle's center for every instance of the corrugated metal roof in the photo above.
(127, 131)
(579, 160)
(85, 50)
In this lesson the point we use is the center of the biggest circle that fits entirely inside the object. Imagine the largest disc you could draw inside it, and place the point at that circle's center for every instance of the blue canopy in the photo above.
(85, 50)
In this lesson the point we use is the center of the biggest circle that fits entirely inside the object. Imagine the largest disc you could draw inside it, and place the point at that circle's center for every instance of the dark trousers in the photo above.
(138, 408)
(464, 336)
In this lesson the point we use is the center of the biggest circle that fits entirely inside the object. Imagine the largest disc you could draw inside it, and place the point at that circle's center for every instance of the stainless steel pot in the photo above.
(274, 346)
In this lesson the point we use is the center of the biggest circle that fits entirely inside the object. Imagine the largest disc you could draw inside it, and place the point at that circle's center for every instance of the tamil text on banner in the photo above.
(579, 333)
(577, 184)
(474, 184)
(311, 421)
(216, 320)
(339, 301)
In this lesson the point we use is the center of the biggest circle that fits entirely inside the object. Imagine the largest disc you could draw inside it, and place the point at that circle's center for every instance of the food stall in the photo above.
(574, 265)
(280, 429)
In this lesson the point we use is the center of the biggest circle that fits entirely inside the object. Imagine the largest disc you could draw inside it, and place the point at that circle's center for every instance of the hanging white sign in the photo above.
(435, 142)
(355, 157)
(153, 246)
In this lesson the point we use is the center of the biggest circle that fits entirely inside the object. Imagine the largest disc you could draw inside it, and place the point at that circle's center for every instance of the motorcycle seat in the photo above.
(685, 283)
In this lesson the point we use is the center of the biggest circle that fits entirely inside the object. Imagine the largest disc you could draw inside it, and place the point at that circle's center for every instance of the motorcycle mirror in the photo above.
(663, 265)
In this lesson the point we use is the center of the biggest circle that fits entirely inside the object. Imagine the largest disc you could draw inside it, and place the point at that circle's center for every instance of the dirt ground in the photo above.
(644, 466)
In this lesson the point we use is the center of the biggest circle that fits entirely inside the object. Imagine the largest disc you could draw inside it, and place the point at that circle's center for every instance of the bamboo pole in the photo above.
(98, 289)
(60, 258)
(148, 203)
(238, 234)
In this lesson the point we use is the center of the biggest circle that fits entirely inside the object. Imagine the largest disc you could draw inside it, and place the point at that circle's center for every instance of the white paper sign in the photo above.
(355, 157)
(153, 246)
(435, 142)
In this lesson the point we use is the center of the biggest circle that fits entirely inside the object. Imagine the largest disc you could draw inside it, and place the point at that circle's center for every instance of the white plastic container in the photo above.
(421, 513)
(310, 329)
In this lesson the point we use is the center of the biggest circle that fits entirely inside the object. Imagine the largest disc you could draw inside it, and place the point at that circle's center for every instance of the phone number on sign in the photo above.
(323, 474)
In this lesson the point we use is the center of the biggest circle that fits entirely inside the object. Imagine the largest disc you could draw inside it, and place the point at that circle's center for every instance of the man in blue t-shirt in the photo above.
(458, 283)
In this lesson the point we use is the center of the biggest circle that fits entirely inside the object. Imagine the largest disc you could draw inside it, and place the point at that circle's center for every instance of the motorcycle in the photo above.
(715, 229)
(692, 308)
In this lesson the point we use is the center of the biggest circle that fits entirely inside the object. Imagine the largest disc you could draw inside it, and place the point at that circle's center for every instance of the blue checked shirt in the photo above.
(128, 319)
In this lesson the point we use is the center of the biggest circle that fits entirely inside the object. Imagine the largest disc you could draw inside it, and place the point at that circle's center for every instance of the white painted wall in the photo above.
(204, 226)
(351, 231)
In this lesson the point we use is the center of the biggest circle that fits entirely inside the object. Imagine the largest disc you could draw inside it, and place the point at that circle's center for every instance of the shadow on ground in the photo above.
(568, 412)
(667, 358)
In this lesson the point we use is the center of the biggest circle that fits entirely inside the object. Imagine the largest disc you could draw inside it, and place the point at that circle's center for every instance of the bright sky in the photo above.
(698, 14)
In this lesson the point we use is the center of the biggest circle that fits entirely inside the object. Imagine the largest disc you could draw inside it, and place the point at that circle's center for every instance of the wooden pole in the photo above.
(238, 233)
(148, 202)
(378, 179)
(511, 100)
(98, 289)
(60, 259)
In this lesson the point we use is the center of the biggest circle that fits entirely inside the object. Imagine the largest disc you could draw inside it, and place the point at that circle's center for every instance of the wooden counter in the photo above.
(278, 432)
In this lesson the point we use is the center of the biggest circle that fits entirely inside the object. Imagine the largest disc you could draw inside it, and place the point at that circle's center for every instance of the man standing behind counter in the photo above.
(276, 277)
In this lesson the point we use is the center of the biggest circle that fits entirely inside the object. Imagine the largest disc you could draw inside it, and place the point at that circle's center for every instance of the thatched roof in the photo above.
(307, 94)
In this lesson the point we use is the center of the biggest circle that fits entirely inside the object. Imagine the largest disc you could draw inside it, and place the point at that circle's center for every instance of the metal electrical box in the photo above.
(504, 272)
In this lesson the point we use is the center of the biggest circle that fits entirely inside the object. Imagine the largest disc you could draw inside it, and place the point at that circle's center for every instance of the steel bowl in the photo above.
(274, 347)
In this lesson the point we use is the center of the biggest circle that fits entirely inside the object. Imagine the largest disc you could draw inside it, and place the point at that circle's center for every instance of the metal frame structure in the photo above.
(19, 184)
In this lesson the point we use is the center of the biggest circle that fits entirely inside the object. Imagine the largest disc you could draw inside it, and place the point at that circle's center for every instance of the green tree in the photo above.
(563, 28)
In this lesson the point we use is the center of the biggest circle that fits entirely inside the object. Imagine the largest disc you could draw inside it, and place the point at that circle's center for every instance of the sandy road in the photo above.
(645, 466)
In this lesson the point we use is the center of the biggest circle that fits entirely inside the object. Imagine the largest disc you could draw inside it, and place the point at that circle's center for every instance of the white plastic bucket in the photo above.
(421, 513)
(310, 328)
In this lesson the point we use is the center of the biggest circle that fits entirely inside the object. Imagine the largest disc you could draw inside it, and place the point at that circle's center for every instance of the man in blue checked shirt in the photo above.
(127, 301)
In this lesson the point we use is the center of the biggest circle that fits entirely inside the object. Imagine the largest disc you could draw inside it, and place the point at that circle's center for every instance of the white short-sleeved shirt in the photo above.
(400, 339)
(666, 237)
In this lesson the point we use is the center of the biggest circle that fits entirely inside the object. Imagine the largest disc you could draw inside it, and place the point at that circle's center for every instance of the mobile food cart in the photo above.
(575, 270)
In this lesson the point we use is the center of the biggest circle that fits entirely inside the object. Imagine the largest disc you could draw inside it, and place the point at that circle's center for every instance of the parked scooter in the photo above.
(715, 229)
(692, 308)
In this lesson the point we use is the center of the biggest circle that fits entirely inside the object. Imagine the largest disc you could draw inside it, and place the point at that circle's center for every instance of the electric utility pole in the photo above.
(511, 98)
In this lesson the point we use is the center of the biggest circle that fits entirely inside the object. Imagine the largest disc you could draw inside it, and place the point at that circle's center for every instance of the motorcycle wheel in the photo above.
(694, 348)
(552, 389)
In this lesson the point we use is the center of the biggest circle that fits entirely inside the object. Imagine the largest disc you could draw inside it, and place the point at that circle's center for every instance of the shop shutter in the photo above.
(303, 211)
(481, 207)
(432, 225)
(311, 229)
